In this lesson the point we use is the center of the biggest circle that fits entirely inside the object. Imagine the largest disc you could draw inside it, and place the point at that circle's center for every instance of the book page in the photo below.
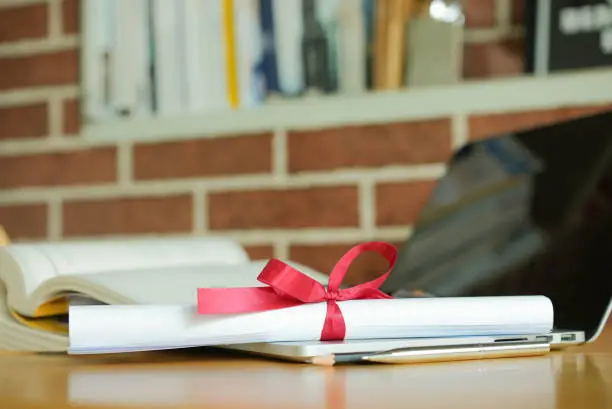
(41, 262)
(17, 337)
(4, 238)
(165, 286)
(124, 328)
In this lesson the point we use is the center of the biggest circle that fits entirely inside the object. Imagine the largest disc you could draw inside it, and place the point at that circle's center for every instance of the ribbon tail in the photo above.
(241, 300)
(334, 328)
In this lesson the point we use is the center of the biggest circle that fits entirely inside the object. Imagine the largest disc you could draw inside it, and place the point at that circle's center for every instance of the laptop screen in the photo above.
(520, 214)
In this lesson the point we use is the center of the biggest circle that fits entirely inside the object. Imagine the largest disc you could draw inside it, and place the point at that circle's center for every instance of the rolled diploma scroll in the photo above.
(124, 328)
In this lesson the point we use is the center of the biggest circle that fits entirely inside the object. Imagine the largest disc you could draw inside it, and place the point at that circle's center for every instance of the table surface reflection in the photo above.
(579, 377)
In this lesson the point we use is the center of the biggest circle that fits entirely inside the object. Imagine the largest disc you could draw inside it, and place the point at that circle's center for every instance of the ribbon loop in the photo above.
(289, 287)
(287, 281)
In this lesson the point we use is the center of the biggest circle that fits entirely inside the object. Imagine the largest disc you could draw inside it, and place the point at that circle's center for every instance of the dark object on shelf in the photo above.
(315, 53)
(567, 34)
(269, 62)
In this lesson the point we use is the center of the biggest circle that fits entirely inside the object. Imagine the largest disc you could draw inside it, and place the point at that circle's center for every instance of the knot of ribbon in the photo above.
(289, 287)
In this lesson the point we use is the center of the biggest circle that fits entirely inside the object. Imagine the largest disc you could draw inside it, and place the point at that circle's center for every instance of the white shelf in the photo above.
(516, 94)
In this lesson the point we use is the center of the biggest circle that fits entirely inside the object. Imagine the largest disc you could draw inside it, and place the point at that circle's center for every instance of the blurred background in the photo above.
(298, 127)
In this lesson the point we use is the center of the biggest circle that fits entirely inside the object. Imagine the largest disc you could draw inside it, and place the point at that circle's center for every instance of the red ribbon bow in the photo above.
(288, 287)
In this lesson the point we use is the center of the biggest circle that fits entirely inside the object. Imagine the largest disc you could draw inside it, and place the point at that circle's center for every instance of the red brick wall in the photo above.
(303, 194)
(494, 38)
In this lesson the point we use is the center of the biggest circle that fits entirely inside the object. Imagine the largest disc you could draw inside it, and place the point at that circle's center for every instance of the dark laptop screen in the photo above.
(510, 218)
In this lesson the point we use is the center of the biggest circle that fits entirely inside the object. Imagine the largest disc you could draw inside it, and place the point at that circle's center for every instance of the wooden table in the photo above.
(580, 377)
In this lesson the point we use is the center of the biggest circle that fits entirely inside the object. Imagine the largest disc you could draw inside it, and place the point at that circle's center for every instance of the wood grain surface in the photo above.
(575, 378)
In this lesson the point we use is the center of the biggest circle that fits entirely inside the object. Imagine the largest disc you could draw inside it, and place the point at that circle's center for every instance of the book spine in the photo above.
(213, 45)
(315, 53)
(396, 40)
(96, 57)
(130, 82)
(168, 61)
(288, 35)
(268, 64)
(327, 12)
(194, 82)
(249, 52)
(352, 47)
(230, 54)
(380, 43)
(258, 85)
(368, 15)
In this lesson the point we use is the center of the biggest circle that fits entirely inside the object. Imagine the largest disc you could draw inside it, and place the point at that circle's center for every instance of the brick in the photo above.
(517, 12)
(284, 209)
(204, 157)
(401, 203)
(70, 16)
(322, 258)
(78, 167)
(494, 60)
(479, 13)
(142, 215)
(370, 146)
(482, 126)
(24, 221)
(57, 68)
(23, 22)
(263, 252)
(25, 121)
(71, 117)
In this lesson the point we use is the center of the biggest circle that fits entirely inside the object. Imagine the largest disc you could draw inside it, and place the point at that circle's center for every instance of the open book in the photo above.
(39, 282)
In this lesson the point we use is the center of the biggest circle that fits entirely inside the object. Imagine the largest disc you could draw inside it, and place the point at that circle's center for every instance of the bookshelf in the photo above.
(526, 93)
(153, 58)
(188, 104)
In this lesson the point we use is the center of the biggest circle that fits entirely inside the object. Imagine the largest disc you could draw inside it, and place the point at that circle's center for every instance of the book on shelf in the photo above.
(434, 52)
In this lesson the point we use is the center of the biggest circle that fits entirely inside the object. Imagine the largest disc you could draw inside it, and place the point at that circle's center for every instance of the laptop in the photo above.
(509, 198)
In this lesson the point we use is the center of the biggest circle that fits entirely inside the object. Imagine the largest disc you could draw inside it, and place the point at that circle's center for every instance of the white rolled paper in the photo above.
(125, 328)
